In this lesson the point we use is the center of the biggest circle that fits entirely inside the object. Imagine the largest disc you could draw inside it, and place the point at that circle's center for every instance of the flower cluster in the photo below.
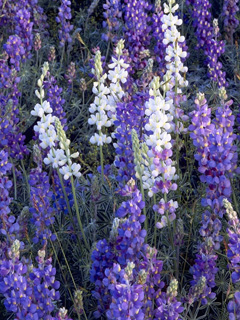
(112, 15)
(230, 9)
(233, 243)
(207, 35)
(15, 49)
(37, 42)
(64, 15)
(217, 158)
(54, 97)
(71, 73)
(234, 307)
(137, 31)
(129, 116)
(127, 297)
(169, 307)
(158, 36)
(104, 105)
(41, 210)
(175, 53)
(29, 292)
(24, 30)
(126, 241)
(160, 170)
(6, 220)
(58, 158)
(62, 314)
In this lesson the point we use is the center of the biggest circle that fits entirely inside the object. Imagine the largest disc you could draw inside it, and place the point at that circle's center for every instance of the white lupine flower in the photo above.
(75, 167)
(54, 157)
(159, 125)
(46, 107)
(100, 139)
(49, 137)
(103, 109)
(66, 172)
(38, 110)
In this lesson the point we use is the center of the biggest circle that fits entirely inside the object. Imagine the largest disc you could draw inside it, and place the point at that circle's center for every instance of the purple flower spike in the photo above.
(64, 15)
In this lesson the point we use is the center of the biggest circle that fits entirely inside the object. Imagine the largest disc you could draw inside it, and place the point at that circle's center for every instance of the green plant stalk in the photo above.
(79, 316)
(26, 177)
(34, 81)
(171, 239)
(190, 232)
(101, 161)
(78, 214)
(234, 197)
(144, 208)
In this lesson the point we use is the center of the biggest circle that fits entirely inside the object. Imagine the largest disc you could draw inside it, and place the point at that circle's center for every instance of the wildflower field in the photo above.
(119, 166)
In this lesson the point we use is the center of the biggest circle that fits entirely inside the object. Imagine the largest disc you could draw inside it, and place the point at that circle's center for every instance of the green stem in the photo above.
(189, 238)
(101, 160)
(79, 316)
(26, 177)
(234, 197)
(78, 214)
(144, 208)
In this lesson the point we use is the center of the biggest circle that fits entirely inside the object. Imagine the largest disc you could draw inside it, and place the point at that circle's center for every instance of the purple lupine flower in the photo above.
(127, 296)
(229, 11)
(24, 30)
(205, 263)
(37, 42)
(166, 210)
(71, 73)
(112, 16)
(233, 242)
(11, 8)
(64, 15)
(30, 293)
(52, 54)
(6, 221)
(130, 235)
(158, 36)
(217, 158)
(234, 307)
(14, 285)
(11, 138)
(168, 306)
(137, 31)
(125, 246)
(150, 276)
(102, 257)
(196, 290)
(44, 286)
(129, 115)
(125, 270)
(54, 93)
(207, 39)
(41, 210)
(16, 51)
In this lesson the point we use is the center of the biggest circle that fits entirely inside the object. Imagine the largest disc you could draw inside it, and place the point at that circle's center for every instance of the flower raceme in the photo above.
(52, 135)
(103, 109)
